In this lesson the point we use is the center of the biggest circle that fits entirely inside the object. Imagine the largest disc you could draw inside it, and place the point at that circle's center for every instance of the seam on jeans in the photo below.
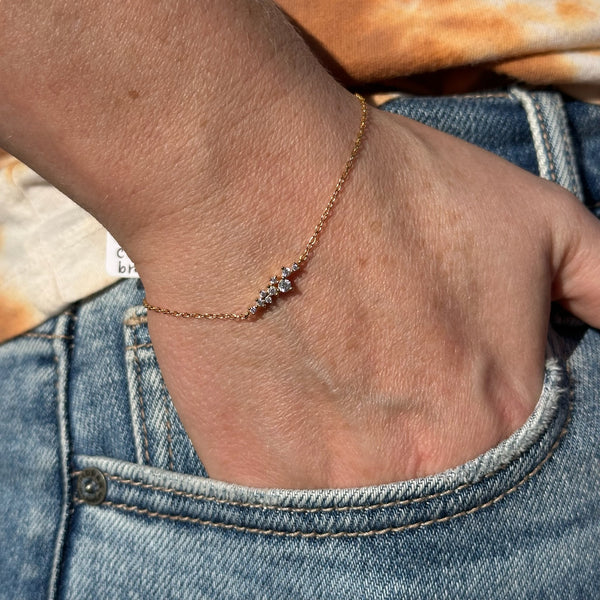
(136, 346)
(574, 184)
(133, 321)
(573, 176)
(56, 559)
(546, 139)
(48, 336)
(138, 373)
(168, 425)
(296, 509)
(393, 503)
(165, 397)
(342, 534)
(64, 458)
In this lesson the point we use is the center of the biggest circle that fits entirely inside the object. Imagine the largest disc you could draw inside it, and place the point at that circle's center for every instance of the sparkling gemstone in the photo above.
(295, 267)
(273, 291)
(285, 272)
(260, 302)
(268, 299)
(263, 294)
(253, 309)
(285, 285)
(274, 280)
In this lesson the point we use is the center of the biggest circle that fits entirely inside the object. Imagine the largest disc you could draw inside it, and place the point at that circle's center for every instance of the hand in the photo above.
(416, 340)
(206, 138)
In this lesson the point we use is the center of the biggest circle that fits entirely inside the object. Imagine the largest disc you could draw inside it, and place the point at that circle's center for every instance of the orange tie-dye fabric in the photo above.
(52, 252)
(534, 41)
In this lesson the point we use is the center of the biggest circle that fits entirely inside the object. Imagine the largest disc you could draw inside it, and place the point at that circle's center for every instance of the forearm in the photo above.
(137, 110)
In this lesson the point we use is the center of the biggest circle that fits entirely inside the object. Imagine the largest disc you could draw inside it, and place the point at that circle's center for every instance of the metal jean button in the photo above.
(91, 486)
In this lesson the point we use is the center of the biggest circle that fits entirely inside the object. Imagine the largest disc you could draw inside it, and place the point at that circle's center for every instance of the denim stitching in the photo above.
(58, 549)
(165, 397)
(393, 503)
(138, 371)
(570, 161)
(136, 346)
(342, 534)
(48, 336)
(573, 175)
(549, 154)
(295, 509)
(64, 454)
(133, 321)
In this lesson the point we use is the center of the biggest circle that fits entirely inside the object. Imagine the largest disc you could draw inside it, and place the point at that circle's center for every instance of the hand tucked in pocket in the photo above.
(416, 338)
(207, 139)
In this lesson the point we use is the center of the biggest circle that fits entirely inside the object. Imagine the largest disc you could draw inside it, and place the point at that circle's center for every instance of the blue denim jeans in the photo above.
(103, 496)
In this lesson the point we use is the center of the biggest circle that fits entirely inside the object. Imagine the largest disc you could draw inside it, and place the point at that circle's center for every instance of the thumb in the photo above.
(576, 282)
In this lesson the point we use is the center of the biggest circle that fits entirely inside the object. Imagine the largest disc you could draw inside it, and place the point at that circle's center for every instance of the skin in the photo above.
(415, 337)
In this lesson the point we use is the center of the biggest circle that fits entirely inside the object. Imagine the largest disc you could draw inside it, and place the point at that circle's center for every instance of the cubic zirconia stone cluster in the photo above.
(277, 285)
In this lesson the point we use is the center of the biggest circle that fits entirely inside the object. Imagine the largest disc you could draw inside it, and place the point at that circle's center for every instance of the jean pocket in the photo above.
(159, 437)
(159, 527)
(169, 481)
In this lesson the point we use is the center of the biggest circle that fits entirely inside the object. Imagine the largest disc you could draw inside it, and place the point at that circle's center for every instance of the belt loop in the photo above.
(551, 137)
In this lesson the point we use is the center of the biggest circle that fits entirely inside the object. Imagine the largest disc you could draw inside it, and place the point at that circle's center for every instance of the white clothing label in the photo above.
(118, 264)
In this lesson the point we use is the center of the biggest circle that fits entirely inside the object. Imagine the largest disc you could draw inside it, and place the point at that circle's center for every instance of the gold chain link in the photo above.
(281, 284)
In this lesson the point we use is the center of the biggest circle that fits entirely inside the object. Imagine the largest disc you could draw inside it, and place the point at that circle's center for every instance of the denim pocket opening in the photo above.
(152, 488)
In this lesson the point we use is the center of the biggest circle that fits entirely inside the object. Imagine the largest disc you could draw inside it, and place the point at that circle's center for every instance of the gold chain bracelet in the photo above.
(280, 284)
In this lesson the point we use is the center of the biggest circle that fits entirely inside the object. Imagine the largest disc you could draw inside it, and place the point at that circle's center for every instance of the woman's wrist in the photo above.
(162, 111)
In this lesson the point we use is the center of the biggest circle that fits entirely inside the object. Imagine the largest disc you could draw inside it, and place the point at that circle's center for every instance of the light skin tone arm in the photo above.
(207, 139)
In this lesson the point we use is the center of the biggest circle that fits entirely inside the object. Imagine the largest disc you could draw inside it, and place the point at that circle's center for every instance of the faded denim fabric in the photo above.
(103, 496)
